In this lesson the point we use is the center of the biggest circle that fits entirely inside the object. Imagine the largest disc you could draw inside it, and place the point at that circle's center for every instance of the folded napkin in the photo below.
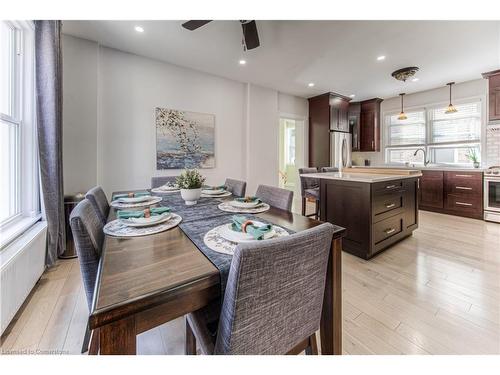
(257, 232)
(134, 195)
(206, 187)
(248, 200)
(122, 214)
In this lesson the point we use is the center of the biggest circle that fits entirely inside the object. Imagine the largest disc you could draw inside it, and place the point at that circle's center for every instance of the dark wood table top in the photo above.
(139, 273)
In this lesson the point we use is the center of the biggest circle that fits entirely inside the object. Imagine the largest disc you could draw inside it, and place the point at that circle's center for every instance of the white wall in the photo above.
(113, 131)
(465, 90)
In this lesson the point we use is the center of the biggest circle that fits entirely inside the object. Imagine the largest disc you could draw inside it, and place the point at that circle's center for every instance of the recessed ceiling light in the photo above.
(352, 96)
(381, 58)
(243, 62)
(139, 29)
(414, 79)
(310, 84)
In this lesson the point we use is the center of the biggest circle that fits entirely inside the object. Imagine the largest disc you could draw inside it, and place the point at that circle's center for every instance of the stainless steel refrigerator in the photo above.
(340, 149)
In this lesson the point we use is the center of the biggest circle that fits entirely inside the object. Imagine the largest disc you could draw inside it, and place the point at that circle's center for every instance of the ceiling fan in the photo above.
(250, 38)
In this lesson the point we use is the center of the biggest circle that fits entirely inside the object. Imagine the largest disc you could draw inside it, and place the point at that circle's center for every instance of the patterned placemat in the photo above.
(216, 242)
(223, 195)
(150, 202)
(228, 207)
(117, 228)
(161, 191)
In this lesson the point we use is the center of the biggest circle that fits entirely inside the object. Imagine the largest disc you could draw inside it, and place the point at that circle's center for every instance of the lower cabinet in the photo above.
(453, 193)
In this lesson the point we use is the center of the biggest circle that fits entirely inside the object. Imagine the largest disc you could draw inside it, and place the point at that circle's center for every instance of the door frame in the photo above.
(305, 137)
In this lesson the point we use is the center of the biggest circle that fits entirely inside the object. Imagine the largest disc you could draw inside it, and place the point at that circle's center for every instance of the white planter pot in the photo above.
(191, 196)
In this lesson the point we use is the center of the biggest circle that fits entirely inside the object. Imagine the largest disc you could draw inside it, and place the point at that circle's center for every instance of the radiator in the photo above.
(22, 263)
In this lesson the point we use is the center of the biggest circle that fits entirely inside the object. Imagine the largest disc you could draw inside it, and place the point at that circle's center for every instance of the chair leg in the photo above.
(86, 339)
(190, 340)
(303, 206)
(312, 348)
(317, 209)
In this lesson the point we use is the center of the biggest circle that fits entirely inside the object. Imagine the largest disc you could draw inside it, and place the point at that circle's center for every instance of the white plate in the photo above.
(237, 204)
(159, 190)
(213, 192)
(138, 222)
(226, 206)
(222, 195)
(238, 237)
(116, 228)
(151, 200)
(142, 198)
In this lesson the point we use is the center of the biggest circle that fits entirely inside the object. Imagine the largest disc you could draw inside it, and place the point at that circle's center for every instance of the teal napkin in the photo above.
(122, 214)
(135, 195)
(255, 231)
(248, 199)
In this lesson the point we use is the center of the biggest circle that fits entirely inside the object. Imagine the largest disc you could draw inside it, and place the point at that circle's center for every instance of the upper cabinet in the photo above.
(364, 119)
(494, 94)
(354, 124)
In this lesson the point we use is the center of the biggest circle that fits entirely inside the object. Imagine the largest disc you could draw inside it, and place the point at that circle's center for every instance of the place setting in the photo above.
(246, 205)
(134, 223)
(215, 191)
(169, 187)
(133, 200)
(224, 238)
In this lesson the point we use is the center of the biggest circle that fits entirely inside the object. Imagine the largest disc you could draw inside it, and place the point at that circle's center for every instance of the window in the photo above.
(446, 138)
(19, 202)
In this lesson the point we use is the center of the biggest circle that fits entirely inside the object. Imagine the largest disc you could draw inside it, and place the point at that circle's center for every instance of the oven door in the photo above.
(492, 194)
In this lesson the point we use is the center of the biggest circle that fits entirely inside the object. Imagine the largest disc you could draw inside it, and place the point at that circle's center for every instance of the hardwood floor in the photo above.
(437, 292)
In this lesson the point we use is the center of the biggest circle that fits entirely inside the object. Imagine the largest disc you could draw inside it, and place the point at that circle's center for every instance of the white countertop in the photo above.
(431, 168)
(360, 177)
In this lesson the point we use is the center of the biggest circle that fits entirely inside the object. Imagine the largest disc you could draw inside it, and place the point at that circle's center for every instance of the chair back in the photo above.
(97, 197)
(274, 293)
(161, 180)
(306, 182)
(238, 188)
(276, 197)
(329, 169)
(86, 227)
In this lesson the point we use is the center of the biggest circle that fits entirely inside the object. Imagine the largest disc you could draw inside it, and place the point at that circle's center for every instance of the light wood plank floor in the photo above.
(436, 292)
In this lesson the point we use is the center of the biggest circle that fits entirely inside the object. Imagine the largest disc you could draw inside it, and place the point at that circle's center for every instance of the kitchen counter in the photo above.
(360, 177)
(430, 168)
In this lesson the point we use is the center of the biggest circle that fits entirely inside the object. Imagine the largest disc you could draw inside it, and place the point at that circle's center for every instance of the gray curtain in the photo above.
(49, 126)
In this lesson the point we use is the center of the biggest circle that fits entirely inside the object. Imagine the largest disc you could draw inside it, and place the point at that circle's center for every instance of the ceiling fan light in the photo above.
(402, 116)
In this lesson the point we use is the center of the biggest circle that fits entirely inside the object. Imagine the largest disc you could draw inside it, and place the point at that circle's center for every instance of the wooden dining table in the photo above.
(143, 282)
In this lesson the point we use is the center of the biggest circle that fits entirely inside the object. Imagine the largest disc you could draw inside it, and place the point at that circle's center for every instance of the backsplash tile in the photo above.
(493, 145)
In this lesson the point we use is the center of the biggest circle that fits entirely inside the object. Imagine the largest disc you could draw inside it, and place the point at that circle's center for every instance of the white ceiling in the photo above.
(337, 56)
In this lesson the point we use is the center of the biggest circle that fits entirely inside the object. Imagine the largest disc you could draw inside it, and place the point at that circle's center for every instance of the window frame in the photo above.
(23, 117)
(429, 145)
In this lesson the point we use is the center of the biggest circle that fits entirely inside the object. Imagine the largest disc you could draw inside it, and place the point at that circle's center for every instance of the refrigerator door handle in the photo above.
(344, 151)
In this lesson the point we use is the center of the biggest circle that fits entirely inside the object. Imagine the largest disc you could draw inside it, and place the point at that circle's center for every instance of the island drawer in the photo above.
(388, 202)
(387, 186)
(387, 228)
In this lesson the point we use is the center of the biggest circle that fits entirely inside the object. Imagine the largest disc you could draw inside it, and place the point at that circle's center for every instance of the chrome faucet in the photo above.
(425, 155)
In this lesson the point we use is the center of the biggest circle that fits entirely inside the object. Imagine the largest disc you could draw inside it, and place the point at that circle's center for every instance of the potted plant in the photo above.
(473, 157)
(190, 182)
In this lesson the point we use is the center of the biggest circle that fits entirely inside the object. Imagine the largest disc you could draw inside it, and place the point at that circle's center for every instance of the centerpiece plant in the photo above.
(190, 182)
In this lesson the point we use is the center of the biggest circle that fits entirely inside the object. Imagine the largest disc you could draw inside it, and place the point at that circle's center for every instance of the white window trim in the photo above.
(426, 108)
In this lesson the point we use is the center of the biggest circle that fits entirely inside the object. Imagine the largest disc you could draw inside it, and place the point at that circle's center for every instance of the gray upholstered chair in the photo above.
(238, 188)
(329, 169)
(273, 299)
(98, 199)
(276, 197)
(309, 189)
(161, 180)
(87, 229)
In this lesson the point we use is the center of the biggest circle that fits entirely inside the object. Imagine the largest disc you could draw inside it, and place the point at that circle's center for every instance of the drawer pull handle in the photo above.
(463, 204)
(390, 205)
(463, 175)
(389, 231)
(463, 188)
(390, 186)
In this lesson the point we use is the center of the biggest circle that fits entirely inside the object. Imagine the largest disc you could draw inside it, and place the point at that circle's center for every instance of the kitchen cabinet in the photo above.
(454, 193)
(370, 125)
(354, 124)
(493, 94)
(327, 112)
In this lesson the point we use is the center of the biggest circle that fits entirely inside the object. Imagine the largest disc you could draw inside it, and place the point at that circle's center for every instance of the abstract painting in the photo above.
(184, 139)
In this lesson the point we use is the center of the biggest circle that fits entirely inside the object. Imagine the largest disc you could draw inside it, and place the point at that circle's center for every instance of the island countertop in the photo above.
(369, 178)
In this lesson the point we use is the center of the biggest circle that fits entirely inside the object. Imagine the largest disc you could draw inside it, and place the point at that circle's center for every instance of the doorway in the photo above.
(291, 152)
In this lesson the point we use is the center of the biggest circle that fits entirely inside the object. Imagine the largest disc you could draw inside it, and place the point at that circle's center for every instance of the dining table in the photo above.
(143, 282)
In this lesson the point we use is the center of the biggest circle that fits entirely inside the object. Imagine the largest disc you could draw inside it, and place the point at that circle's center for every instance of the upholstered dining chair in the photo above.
(87, 229)
(329, 169)
(161, 180)
(97, 197)
(238, 188)
(276, 197)
(273, 299)
(309, 189)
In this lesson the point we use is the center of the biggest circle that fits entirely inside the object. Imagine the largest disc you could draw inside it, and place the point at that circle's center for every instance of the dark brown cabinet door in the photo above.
(494, 94)
(431, 189)
(367, 141)
(319, 131)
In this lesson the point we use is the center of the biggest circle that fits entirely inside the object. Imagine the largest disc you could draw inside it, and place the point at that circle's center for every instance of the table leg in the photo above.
(331, 316)
(118, 337)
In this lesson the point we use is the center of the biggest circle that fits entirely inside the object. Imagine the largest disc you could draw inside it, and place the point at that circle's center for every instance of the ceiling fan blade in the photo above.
(250, 34)
(194, 24)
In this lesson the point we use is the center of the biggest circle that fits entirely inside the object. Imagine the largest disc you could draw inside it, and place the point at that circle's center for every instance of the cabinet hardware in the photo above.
(389, 231)
(463, 188)
(390, 205)
(463, 175)
(463, 204)
(390, 186)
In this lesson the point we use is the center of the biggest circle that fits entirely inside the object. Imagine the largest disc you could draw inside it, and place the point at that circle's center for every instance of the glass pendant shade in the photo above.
(402, 115)
(451, 108)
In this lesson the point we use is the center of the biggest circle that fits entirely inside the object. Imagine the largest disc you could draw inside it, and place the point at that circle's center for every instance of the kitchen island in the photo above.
(376, 209)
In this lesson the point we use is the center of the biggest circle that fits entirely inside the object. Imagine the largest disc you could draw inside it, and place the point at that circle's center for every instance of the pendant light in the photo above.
(451, 108)
(402, 115)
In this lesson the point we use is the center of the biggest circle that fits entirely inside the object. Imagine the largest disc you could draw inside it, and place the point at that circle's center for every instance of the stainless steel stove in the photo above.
(492, 194)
